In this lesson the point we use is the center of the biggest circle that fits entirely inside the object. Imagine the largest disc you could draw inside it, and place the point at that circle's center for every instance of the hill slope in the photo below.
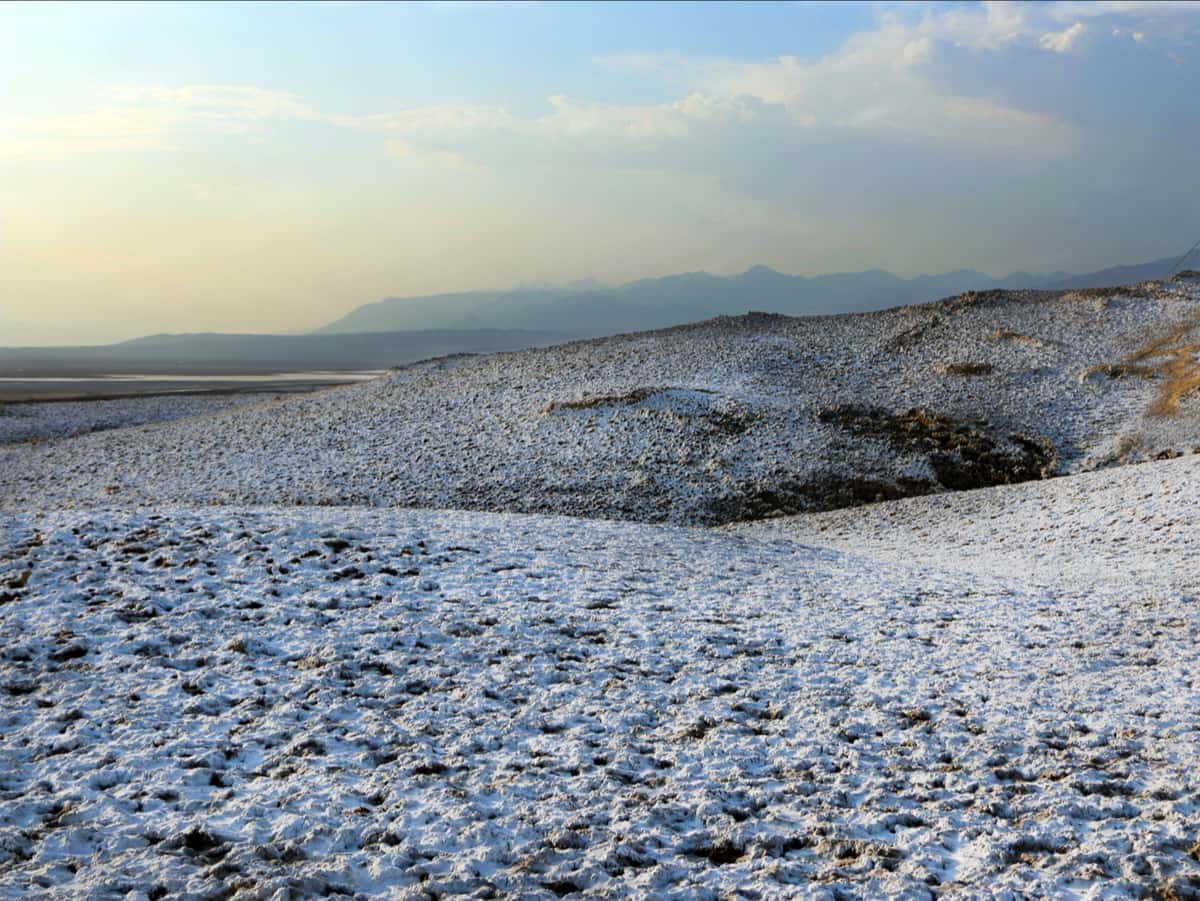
(726, 420)
(290, 702)
(990, 693)
(1134, 527)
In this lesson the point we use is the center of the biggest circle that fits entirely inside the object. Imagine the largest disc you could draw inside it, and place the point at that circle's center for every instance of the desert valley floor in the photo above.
(612, 619)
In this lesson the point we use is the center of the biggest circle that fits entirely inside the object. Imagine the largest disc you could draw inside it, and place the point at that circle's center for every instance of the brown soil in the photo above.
(967, 369)
(636, 396)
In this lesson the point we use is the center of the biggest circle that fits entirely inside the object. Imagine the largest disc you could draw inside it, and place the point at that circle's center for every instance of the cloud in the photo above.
(443, 119)
(107, 129)
(1054, 27)
(883, 82)
(214, 101)
(877, 82)
(146, 118)
(1062, 41)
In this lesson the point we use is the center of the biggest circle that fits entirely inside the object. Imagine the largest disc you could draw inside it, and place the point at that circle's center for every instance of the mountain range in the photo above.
(261, 354)
(400, 330)
(587, 311)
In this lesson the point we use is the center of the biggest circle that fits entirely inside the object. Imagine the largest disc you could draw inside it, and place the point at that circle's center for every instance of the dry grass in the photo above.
(636, 396)
(1175, 357)
(1003, 334)
(1141, 290)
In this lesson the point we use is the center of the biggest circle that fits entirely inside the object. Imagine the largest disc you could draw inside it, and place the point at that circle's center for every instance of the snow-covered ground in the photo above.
(63, 419)
(230, 666)
(715, 422)
(1134, 526)
(422, 703)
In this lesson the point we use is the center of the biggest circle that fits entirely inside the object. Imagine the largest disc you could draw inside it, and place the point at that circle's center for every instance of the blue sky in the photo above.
(270, 166)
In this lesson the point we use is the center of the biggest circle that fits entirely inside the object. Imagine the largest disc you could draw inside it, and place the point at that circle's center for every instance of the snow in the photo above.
(432, 700)
(210, 684)
(1135, 527)
(28, 421)
(689, 425)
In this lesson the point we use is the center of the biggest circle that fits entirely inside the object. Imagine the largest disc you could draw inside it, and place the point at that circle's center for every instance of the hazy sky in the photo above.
(269, 167)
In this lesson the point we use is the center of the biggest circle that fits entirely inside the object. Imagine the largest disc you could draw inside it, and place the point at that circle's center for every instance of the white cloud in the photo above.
(143, 118)
(876, 81)
(106, 129)
(879, 80)
(1062, 41)
(995, 25)
(212, 100)
(146, 118)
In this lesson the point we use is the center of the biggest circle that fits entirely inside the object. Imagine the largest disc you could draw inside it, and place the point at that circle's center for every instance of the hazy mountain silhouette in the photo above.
(693, 296)
(1118, 275)
(395, 331)
(253, 354)
(579, 284)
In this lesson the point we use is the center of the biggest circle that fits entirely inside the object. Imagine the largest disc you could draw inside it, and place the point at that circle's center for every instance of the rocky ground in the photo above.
(237, 703)
(231, 667)
(35, 422)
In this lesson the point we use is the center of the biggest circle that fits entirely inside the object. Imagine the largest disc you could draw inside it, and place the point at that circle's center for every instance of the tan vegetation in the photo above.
(1174, 355)
(1003, 334)
(636, 396)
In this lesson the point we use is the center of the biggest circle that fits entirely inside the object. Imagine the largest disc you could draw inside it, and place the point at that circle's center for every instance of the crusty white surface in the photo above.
(65, 419)
(1134, 526)
(194, 701)
(988, 694)
(735, 411)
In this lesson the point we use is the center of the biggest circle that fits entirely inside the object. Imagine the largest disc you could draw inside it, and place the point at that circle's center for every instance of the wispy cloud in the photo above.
(880, 82)
(1062, 41)
(146, 118)
(106, 129)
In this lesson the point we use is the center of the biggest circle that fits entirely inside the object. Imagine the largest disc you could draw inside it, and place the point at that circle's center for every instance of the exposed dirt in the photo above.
(963, 455)
(788, 495)
(964, 368)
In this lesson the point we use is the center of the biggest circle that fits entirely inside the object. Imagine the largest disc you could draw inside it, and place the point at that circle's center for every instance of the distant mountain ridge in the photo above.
(249, 354)
(694, 296)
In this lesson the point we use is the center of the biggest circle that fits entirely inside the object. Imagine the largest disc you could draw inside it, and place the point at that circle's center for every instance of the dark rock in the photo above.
(719, 853)
(562, 887)
(72, 651)
(200, 843)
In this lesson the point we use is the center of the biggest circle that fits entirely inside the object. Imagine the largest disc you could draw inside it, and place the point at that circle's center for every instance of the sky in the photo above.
(268, 167)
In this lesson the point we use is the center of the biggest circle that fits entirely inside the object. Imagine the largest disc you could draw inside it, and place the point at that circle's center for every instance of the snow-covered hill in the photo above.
(1136, 526)
(33, 422)
(726, 420)
(207, 690)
